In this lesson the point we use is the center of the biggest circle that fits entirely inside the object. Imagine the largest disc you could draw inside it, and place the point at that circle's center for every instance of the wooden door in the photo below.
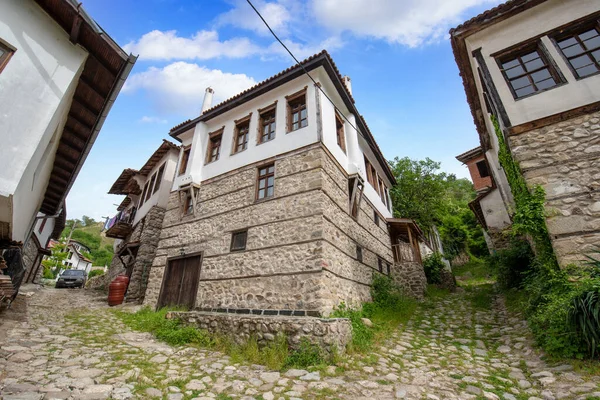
(180, 283)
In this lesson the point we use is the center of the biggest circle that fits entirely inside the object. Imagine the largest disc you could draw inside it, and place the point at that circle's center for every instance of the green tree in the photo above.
(432, 197)
(55, 261)
(88, 221)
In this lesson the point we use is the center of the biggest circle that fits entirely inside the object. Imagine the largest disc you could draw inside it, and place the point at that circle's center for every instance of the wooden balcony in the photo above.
(121, 225)
(404, 252)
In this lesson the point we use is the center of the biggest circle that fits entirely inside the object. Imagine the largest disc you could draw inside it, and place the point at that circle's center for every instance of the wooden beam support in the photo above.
(76, 27)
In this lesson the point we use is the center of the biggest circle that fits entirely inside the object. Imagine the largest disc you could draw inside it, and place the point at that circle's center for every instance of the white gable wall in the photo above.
(35, 88)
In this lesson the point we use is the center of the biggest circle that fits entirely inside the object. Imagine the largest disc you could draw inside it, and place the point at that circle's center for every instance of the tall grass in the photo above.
(275, 354)
(389, 308)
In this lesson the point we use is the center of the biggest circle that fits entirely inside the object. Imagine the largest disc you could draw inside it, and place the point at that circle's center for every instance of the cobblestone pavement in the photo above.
(69, 345)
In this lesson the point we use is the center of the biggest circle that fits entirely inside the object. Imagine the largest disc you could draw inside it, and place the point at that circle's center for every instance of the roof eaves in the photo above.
(463, 58)
(469, 154)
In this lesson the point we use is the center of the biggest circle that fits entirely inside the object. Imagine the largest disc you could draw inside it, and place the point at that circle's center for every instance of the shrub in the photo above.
(95, 272)
(584, 315)
(306, 355)
(171, 331)
(513, 263)
(47, 274)
(433, 266)
(389, 308)
(553, 331)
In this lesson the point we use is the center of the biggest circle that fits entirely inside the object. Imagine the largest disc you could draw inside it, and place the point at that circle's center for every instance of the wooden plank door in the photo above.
(180, 284)
(189, 282)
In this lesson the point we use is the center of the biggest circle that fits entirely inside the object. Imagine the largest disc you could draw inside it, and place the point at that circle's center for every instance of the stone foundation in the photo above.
(330, 334)
(147, 233)
(411, 277)
(564, 158)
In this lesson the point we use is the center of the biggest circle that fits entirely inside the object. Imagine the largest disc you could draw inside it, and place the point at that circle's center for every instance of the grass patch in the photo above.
(434, 292)
(474, 271)
(481, 297)
(389, 309)
(171, 331)
(275, 354)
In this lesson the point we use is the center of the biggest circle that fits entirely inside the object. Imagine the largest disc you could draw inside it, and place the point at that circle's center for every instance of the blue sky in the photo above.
(396, 52)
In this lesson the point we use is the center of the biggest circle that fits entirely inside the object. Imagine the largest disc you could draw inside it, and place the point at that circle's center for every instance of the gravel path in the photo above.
(67, 344)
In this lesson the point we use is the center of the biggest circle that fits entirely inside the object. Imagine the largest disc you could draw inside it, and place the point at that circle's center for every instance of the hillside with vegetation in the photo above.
(89, 233)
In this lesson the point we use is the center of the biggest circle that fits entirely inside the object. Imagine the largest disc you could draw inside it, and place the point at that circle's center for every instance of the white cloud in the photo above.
(407, 22)
(243, 16)
(303, 50)
(203, 45)
(179, 87)
(152, 120)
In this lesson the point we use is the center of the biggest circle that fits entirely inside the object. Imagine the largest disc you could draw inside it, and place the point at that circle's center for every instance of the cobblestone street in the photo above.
(69, 344)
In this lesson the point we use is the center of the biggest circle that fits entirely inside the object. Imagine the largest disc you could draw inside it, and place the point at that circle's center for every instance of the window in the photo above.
(380, 264)
(339, 131)
(355, 191)
(266, 124)
(359, 255)
(144, 194)
(42, 225)
(528, 72)
(159, 176)
(375, 217)
(238, 240)
(150, 184)
(381, 190)
(371, 174)
(387, 267)
(297, 114)
(185, 157)
(6, 52)
(188, 205)
(214, 146)
(242, 130)
(581, 50)
(482, 168)
(70, 255)
(266, 182)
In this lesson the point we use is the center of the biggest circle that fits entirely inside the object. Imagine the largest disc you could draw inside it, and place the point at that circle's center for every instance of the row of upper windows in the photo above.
(296, 115)
(377, 183)
(530, 69)
(152, 185)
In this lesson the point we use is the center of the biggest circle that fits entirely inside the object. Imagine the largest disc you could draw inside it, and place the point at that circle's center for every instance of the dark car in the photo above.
(71, 278)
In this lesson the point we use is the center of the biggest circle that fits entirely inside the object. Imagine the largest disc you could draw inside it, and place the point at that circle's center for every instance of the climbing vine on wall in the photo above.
(529, 216)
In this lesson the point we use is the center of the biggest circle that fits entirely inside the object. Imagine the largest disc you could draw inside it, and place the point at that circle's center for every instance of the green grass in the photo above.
(434, 292)
(474, 270)
(481, 297)
(171, 331)
(276, 354)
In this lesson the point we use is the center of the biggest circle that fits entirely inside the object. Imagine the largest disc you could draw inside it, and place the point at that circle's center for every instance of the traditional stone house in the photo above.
(488, 207)
(59, 76)
(138, 222)
(535, 66)
(281, 203)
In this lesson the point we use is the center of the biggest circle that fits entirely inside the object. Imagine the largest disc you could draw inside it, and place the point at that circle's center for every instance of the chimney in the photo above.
(348, 83)
(207, 103)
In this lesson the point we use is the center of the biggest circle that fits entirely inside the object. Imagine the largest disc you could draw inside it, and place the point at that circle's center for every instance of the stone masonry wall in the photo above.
(301, 247)
(565, 159)
(147, 233)
(149, 237)
(330, 334)
(281, 266)
(410, 276)
(30, 253)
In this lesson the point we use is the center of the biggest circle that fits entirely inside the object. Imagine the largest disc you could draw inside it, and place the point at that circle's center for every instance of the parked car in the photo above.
(71, 278)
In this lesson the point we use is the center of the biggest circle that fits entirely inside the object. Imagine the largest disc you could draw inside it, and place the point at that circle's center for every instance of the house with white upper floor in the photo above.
(60, 74)
(281, 204)
(531, 73)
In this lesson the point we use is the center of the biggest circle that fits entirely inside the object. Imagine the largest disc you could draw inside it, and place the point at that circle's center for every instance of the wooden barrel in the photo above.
(116, 292)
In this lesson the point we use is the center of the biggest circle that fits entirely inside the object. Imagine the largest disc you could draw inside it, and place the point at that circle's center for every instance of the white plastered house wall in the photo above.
(35, 91)
(161, 197)
(521, 27)
(353, 161)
